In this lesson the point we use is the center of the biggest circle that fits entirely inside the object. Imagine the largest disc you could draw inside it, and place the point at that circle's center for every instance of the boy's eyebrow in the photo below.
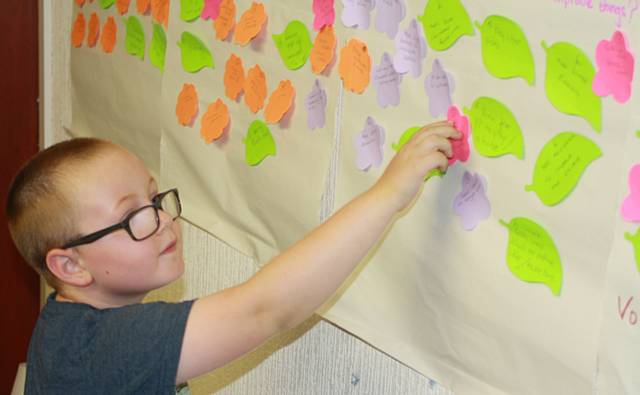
(123, 199)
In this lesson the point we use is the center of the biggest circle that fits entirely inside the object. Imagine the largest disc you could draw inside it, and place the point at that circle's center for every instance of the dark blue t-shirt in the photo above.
(78, 349)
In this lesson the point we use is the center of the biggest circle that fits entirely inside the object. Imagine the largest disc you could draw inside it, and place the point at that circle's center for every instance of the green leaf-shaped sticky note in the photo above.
(568, 83)
(294, 44)
(158, 48)
(444, 22)
(406, 136)
(104, 4)
(505, 49)
(635, 241)
(532, 255)
(496, 131)
(195, 54)
(259, 143)
(134, 40)
(560, 165)
(191, 10)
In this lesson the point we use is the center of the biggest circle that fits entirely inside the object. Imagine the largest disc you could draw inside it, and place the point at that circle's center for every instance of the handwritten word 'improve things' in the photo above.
(622, 10)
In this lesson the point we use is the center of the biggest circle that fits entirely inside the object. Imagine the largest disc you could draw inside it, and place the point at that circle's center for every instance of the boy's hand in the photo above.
(427, 150)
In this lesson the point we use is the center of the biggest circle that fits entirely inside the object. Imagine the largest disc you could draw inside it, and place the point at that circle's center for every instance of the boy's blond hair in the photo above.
(40, 205)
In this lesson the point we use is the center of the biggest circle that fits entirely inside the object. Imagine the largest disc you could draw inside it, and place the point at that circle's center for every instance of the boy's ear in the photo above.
(64, 264)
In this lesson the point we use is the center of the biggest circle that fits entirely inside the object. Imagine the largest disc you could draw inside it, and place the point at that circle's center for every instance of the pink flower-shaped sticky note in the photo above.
(630, 208)
(411, 48)
(389, 15)
(316, 103)
(387, 82)
(472, 204)
(211, 9)
(324, 14)
(460, 146)
(439, 86)
(369, 144)
(356, 13)
(615, 68)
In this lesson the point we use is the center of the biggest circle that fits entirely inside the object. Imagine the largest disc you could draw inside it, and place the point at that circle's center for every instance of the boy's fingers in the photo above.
(443, 129)
(432, 142)
(439, 161)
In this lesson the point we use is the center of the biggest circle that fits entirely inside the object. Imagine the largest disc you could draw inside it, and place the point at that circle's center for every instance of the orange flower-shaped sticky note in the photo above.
(324, 49)
(143, 6)
(160, 11)
(226, 19)
(187, 106)
(250, 24)
(233, 77)
(123, 6)
(255, 88)
(77, 33)
(355, 66)
(80, 2)
(280, 102)
(94, 30)
(214, 121)
(109, 33)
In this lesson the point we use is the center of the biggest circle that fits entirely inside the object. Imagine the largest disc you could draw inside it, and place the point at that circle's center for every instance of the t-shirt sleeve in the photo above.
(138, 347)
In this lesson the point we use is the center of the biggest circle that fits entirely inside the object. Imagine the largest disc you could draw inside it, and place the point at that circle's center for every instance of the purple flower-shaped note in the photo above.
(369, 144)
(472, 204)
(411, 48)
(439, 86)
(387, 82)
(389, 15)
(316, 103)
(356, 13)
(211, 9)
(323, 14)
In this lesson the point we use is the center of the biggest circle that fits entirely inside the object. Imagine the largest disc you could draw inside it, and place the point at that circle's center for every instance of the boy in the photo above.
(87, 215)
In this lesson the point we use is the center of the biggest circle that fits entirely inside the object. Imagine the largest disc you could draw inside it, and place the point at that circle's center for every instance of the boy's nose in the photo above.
(165, 220)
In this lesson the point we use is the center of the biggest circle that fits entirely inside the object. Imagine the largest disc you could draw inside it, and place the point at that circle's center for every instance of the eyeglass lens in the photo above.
(144, 223)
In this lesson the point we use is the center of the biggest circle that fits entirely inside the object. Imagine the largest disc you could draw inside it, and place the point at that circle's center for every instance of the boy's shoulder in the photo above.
(76, 344)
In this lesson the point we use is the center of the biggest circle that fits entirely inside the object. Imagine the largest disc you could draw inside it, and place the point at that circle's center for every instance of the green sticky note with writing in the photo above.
(568, 83)
(560, 165)
(158, 47)
(496, 131)
(259, 143)
(294, 45)
(195, 54)
(191, 10)
(444, 22)
(134, 40)
(532, 255)
(505, 49)
(104, 4)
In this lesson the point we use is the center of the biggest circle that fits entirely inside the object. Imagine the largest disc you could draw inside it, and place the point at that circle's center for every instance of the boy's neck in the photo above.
(97, 301)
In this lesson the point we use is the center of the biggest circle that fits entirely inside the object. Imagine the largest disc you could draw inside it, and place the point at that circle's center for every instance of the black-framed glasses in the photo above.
(141, 223)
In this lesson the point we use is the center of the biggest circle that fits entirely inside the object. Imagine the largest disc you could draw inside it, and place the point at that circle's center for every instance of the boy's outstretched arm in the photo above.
(286, 291)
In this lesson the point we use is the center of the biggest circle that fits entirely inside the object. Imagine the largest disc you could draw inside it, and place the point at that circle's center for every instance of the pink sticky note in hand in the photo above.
(211, 9)
(460, 146)
(472, 204)
(411, 48)
(369, 143)
(389, 15)
(615, 68)
(630, 208)
(387, 82)
(324, 14)
(356, 13)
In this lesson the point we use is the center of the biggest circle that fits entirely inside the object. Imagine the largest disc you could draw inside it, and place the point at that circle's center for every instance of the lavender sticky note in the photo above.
(472, 204)
(356, 13)
(439, 86)
(368, 145)
(316, 103)
(387, 82)
(411, 48)
(389, 14)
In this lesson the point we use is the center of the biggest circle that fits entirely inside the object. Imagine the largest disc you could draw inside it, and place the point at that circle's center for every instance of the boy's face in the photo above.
(108, 188)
